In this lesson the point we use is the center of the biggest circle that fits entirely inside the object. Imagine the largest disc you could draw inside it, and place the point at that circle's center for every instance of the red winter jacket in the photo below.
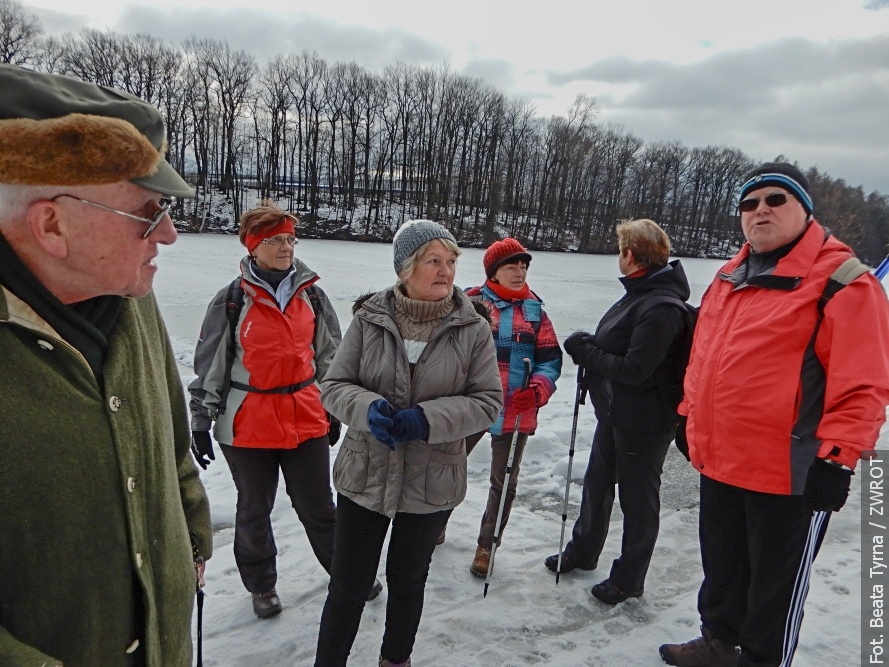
(762, 401)
(276, 347)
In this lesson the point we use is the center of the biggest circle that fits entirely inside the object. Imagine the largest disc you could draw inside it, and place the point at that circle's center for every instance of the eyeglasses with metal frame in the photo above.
(278, 241)
(165, 204)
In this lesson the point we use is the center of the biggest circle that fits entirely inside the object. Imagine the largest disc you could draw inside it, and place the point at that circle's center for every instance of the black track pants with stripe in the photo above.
(757, 551)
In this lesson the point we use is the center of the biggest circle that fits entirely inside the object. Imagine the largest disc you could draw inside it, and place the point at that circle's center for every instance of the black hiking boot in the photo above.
(705, 651)
(571, 560)
(610, 593)
(266, 605)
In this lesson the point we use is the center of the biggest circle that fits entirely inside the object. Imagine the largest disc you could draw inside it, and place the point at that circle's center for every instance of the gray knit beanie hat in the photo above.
(411, 235)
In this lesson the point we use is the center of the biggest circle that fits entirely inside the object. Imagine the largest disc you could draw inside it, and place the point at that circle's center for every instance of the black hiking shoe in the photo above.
(705, 651)
(610, 593)
(570, 561)
(266, 605)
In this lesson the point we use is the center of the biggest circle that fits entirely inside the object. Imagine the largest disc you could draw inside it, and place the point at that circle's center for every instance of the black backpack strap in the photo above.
(844, 274)
(234, 301)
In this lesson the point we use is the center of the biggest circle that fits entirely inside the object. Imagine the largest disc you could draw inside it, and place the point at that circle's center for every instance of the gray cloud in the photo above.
(499, 73)
(876, 4)
(822, 104)
(265, 34)
(55, 23)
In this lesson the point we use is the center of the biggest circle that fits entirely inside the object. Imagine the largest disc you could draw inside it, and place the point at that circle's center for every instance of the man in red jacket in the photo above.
(783, 395)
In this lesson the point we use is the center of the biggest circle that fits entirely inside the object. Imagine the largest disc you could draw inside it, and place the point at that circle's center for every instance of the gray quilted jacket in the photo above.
(457, 384)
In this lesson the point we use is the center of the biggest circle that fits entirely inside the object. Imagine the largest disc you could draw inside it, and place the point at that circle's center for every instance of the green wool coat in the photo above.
(98, 493)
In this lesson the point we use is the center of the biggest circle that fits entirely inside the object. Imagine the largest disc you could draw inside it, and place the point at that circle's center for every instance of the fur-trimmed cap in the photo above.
(55, 130)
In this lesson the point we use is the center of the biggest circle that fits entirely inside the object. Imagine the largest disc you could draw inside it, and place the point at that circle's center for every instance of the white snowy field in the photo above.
(526, 619)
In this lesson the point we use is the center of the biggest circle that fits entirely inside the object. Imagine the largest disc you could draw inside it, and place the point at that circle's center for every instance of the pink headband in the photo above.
(285, 225)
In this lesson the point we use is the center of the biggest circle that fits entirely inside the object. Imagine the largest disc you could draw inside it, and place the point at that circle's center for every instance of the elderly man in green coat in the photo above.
(101, 501)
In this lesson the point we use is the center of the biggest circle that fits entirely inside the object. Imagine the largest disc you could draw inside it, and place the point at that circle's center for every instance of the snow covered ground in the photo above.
(526, 619)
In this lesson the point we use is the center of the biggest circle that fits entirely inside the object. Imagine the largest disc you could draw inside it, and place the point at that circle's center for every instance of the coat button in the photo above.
(131, 484)
(138, 560)
(45, 344)
(114, 403)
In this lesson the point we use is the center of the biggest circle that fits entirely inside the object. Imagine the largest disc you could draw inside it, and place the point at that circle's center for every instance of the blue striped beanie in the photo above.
(783, 175)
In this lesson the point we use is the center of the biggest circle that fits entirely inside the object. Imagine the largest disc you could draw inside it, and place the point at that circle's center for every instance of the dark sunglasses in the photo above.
(772, 201)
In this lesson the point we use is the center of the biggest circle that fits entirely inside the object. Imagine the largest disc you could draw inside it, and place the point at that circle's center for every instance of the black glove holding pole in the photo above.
(827, 486)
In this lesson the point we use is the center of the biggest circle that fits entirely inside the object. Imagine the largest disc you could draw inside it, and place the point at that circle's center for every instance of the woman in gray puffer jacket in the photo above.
(416, 373)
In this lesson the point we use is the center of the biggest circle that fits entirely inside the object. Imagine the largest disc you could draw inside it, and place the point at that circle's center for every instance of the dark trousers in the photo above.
(360, 534)
(306, 471)
(500, 445)
(634, 462)
(757, 551)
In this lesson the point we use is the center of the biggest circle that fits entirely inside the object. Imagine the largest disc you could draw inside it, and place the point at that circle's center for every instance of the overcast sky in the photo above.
(807, 80)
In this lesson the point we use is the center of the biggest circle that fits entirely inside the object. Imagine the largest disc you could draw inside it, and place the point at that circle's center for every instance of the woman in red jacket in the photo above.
(258, 367)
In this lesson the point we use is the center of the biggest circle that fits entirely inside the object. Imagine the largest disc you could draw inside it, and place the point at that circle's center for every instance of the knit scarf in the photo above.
(509, 294)
(417, 319)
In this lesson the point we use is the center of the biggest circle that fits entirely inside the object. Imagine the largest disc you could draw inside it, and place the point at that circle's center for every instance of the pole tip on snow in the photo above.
(485, 594)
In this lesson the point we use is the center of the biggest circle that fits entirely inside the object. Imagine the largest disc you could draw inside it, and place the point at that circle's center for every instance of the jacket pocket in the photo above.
(445, 478)
(351, 466)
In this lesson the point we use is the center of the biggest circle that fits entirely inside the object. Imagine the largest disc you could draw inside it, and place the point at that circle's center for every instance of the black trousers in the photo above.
(757, 551)
(360, 534)
(306, 471)
(500, 445)
(634, 462)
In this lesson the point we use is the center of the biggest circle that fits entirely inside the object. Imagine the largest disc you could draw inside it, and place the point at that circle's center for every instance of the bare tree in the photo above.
(20, 34)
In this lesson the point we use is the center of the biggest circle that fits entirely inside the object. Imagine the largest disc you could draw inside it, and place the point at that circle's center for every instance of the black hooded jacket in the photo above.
(631, 364)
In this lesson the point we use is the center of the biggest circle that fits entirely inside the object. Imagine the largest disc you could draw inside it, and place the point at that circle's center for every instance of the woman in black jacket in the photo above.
(631, 369)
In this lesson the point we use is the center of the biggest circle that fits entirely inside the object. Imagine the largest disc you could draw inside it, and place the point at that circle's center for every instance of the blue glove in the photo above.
(410, 424)
(379, 420)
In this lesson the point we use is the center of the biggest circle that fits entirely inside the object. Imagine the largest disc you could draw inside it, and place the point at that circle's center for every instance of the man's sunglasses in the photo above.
(772, 201)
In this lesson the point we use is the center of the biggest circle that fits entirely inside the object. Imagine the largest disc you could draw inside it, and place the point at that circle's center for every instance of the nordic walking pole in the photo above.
(882, 269)
(526, 378)
(578, 399)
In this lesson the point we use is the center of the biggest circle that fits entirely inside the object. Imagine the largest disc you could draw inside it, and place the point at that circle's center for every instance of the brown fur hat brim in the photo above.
(76, 149)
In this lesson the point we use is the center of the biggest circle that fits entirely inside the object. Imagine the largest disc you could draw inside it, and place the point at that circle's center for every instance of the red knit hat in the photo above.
(504, 252)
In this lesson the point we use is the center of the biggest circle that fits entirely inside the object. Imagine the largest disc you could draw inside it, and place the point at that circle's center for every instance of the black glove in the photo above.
(827, 487)
(336, 428)
(202, 448)
(574, 345)
(681, 438)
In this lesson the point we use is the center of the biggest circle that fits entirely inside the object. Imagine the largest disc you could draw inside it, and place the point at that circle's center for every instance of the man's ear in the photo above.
(49, 228)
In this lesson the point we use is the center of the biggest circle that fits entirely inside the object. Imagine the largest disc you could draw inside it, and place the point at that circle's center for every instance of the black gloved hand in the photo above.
(336, 428)
(574, 345)
(202, 448)
(827, 487)
(681, 438)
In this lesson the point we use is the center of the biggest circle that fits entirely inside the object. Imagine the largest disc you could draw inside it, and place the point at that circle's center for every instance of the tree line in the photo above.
(372, 149)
